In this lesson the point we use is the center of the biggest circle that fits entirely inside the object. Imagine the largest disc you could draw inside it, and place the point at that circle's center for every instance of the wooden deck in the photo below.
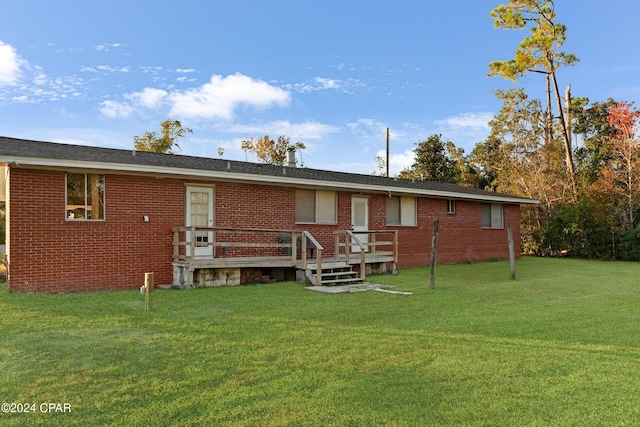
(233, 248)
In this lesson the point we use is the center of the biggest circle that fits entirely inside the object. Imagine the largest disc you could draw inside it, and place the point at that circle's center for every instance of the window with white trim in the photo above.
(451, 206)
(492, 215)
(316, 207)
(401, 210)
(84, 196)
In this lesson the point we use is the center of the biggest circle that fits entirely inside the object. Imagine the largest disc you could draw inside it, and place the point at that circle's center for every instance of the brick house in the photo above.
(84, 218)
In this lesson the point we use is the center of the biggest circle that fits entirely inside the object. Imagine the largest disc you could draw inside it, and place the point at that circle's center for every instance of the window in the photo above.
(85, 196)
(492, 215)
(451, 206)
(316, 207)
(401, 211)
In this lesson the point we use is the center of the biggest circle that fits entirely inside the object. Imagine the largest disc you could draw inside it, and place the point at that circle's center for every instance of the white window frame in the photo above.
(451, 206)
(408, 211)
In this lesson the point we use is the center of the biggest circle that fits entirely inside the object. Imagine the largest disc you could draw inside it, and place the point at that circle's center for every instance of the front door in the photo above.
(360, 220)
(199, 212)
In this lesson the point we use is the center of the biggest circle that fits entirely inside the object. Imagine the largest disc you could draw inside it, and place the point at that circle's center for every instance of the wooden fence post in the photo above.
(148, 288)
(512, 255)
(434, 253)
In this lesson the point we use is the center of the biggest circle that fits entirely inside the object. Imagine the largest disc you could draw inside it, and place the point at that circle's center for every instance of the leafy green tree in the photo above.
(468, 174)
(432, 162)
(516, 159)
(537, 53)
(589, 123)
(270, 151)
(166, 142)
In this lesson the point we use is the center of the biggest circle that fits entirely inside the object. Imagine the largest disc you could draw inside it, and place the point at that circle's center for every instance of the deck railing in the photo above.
(369, 251)
(222, 247)
(227, 242)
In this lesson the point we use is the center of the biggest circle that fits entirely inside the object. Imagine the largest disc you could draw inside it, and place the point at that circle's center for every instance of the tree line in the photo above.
(579, 158)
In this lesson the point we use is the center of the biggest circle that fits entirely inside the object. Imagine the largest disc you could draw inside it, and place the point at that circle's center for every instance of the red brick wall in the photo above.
(460, 236)
(51, 254)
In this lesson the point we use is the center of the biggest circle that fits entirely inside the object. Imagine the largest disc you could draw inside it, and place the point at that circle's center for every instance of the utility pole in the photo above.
(387, 162)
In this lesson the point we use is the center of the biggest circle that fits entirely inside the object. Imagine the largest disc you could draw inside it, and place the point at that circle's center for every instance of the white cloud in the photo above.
(115, 109)
(106, 68)
(10, 64)
(397, 161)
(106, 46)
(110, 69)
(328, 83)
(477, 121)
(216, 99)
(40, 77)
(465, 129)
(219, 98)
(148, 97)
(365, 126)
(296, 131)
(321, 83)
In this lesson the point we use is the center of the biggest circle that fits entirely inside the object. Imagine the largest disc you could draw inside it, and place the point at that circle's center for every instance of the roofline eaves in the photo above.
(273, 179)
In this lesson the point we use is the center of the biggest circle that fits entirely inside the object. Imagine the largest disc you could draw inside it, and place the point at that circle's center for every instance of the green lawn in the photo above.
(558, 346)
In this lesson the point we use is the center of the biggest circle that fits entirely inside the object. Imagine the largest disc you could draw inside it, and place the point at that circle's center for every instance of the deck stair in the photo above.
(333, 273)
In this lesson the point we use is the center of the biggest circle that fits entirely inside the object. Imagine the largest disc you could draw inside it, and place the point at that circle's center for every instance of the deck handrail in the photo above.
(302, 236)
(370, 247)
(308, 237)
(361, 245)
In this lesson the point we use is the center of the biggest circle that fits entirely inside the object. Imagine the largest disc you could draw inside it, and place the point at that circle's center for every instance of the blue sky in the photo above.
(331, 74)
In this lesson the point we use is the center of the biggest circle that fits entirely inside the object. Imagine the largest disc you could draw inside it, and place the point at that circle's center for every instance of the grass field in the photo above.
(558, 346)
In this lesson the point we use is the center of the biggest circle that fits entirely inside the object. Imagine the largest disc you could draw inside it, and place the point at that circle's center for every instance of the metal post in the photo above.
(387, 163)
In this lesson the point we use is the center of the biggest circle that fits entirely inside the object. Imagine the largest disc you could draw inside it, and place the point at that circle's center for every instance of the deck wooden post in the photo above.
(434, 253)
(294, 247)
(512, 255)
(347, 248)
(303, 249)
(176, 248)
(148, 288)
(394, 264)
(319, 268)
(192, 242)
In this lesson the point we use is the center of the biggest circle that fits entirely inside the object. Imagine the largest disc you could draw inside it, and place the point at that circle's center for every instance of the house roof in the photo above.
(21, 152)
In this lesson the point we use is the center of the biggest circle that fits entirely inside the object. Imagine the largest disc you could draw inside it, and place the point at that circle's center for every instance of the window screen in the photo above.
(317, 207)
(492, 215)
(401, 211)
(305, 206)
(393, 210)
